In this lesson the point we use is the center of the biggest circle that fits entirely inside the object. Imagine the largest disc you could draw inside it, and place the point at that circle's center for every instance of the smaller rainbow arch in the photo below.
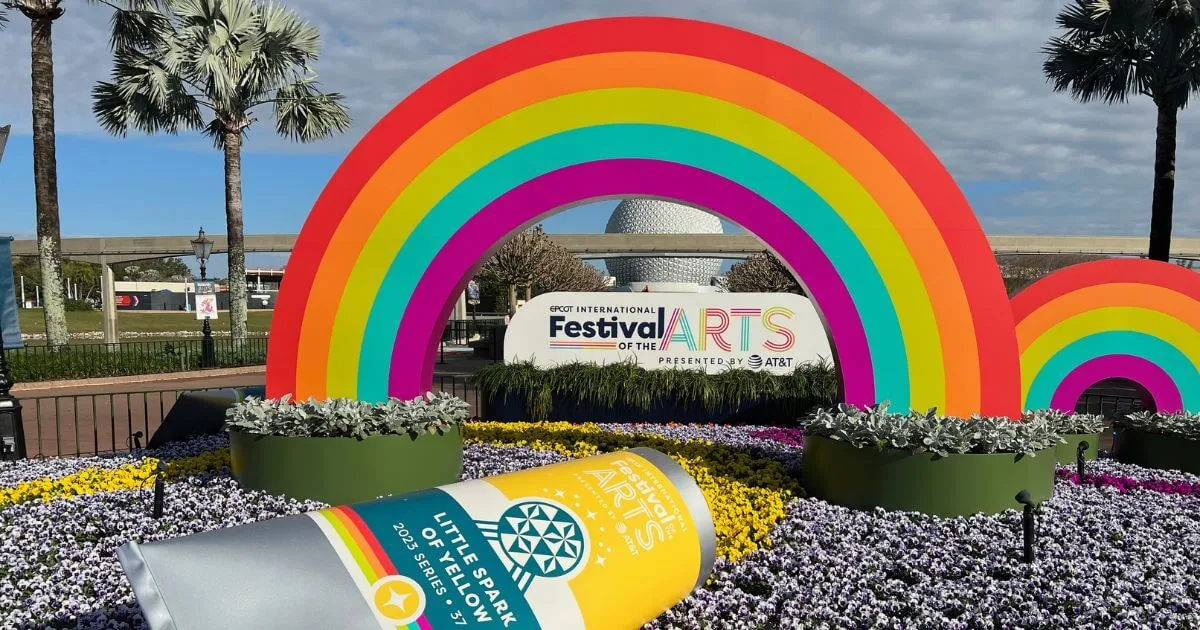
(1121, 318)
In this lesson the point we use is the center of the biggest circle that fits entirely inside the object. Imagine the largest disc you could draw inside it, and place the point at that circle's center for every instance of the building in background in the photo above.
(663, 274)
(262, 284)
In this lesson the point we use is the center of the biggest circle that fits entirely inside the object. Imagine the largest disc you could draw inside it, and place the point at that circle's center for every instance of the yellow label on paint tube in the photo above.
(606, 542)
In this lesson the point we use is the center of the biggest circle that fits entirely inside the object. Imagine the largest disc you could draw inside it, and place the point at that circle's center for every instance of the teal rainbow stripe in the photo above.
(671, 144)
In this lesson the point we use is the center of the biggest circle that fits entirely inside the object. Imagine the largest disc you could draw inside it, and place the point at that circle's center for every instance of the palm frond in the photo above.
(1111, 50)
(1094, 70)
(144, 96)
(138, 29)
(305, 114)
(1185, 81)
(172, 57)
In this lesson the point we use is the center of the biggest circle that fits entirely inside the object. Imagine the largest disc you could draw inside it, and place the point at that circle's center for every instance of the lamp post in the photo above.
(202, 247)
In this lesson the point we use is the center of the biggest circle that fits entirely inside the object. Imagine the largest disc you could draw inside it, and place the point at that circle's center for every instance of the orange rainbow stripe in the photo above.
(369, 557)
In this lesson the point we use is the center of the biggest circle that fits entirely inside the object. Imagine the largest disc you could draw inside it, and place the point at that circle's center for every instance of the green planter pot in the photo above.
(1066, 453)
(892, 479)
(1156, 450)
(345, 470)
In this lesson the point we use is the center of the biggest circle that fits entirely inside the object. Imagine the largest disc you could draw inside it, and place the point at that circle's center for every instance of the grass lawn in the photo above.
(139, 321)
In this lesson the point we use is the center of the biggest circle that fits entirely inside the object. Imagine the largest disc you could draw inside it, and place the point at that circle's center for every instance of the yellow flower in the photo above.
(745, 494)
(128, 477)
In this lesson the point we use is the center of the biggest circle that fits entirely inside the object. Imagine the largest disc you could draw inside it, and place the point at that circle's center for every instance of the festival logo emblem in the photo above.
(398, 599)
(538, 539)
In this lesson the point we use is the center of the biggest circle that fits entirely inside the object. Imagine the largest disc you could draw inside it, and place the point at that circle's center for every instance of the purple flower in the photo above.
(1120, 550)
(791, 437)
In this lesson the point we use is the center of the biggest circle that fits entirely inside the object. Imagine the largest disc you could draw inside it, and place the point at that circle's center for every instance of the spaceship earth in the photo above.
(651, 216)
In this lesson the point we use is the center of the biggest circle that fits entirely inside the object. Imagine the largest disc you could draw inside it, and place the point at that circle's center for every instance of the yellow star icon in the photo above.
(399, 599)
(600, 560)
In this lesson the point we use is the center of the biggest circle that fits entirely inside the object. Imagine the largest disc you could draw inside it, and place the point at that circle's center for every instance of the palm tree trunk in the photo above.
(1164, 182)
(233, 231)
(45, 183)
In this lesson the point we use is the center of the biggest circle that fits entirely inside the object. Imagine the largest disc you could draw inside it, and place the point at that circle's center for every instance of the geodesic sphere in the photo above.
(651, 216)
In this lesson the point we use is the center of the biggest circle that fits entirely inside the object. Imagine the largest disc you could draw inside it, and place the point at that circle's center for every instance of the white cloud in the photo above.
(965, 74)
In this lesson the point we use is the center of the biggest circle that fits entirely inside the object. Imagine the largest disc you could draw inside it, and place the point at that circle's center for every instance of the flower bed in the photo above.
(1108, 556)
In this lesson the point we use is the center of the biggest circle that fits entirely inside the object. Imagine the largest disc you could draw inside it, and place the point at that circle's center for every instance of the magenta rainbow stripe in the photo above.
(528, 203)
(1158, 383)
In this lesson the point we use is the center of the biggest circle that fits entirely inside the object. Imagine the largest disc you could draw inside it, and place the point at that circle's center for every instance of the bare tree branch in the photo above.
(762, 273)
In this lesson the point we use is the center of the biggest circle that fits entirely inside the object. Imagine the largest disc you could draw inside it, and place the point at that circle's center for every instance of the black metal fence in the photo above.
(467, 331)
(96, 360)
(99, 360)
(1108, 405)
(91, 424)
(482, 338)
(1112, 398)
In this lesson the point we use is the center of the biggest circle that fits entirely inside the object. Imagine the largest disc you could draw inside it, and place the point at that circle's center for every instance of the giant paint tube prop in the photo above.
(605, 542)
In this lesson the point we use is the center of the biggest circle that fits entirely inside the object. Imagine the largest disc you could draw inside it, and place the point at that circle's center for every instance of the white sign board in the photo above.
(206, 301)
(206, 306)
(773, 332)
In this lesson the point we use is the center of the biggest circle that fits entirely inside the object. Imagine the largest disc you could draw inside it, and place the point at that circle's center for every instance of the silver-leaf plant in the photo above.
(343, 417)
(1184, 425)
(1065, 423)
(876, 427)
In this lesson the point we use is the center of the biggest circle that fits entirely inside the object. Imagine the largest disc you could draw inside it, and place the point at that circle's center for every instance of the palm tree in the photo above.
(1114, 49)
(208, 64)
(42, 14)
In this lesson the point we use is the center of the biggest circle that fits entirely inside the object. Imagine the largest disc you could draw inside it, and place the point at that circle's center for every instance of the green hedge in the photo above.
(625, 384)
(81, 361)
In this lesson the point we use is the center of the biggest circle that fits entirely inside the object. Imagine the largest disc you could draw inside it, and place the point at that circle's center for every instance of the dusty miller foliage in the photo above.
(1184, 425)
(876, 427)
(343, 417)
(1065, 423)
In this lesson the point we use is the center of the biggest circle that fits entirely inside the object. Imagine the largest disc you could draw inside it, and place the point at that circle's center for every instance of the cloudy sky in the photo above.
(965, 74)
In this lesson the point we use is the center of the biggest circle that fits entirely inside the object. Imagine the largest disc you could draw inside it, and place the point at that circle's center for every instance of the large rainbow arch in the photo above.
(832, 181)
(1121, 318)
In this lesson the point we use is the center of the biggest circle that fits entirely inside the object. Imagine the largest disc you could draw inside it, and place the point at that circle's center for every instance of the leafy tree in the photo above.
(84, 274)
(1114, 49)
(163, 269)
(762, 273)
(209, 65)
(42, 14)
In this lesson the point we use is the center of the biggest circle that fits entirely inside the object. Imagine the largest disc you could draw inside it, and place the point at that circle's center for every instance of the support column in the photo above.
(109, 286)
(460, 307)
